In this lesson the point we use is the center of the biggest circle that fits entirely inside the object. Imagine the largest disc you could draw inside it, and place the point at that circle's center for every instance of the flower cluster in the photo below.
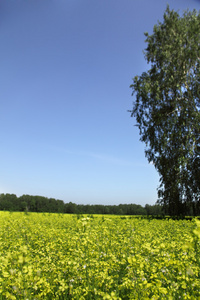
(56, 256)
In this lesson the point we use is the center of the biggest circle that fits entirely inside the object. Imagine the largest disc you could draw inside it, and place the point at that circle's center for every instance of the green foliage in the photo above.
(29, 203)
(167, 109)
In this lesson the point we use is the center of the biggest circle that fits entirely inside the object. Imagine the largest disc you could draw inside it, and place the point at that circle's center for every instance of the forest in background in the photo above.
(10, 202)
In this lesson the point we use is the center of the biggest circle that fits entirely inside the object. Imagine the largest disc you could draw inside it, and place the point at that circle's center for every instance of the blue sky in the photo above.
(66, 68)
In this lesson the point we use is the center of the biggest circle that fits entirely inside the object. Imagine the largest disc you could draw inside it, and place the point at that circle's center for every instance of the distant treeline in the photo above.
(10, 202)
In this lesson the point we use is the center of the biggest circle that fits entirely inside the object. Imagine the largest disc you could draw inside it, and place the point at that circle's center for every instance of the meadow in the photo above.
(62, 256)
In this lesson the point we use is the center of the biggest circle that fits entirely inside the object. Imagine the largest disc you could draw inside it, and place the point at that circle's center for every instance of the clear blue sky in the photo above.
(66, 68)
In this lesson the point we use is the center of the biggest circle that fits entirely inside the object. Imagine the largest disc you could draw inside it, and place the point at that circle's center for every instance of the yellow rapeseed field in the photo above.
(57, 256)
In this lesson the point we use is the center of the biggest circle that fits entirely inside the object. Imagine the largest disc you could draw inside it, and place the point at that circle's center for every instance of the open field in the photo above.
(57, 256)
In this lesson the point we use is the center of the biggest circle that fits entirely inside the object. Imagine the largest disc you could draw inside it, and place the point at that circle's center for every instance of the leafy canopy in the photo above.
(167, 108)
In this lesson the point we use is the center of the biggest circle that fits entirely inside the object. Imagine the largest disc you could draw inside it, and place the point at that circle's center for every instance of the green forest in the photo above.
(28, 203)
